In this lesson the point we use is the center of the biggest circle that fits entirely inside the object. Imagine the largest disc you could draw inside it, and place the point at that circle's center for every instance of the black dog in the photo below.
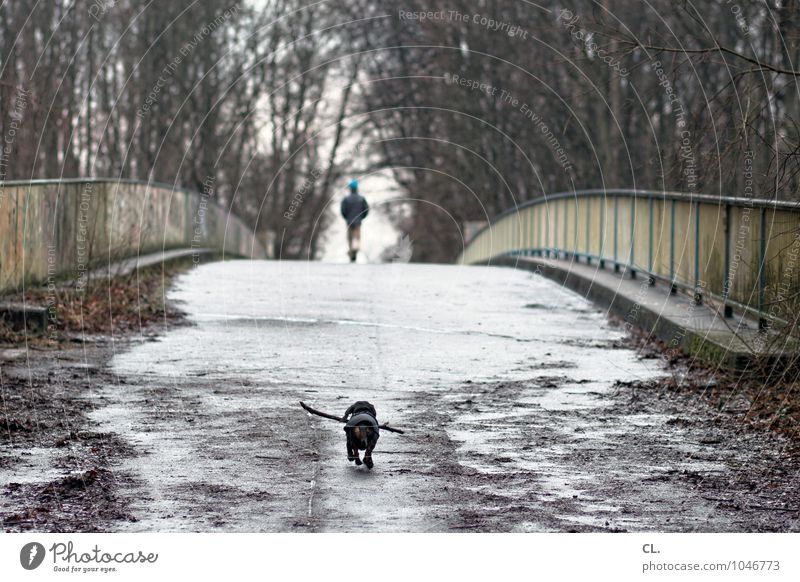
(362, 431)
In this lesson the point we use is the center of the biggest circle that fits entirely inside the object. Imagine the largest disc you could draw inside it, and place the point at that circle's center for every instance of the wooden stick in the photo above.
(307, 408)
(322, 414)
(385, 426)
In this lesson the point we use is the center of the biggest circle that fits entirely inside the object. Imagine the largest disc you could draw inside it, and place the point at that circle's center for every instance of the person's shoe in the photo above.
(352, 257)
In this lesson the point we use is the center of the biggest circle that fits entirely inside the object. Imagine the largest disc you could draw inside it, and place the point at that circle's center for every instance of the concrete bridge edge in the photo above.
(710, 350)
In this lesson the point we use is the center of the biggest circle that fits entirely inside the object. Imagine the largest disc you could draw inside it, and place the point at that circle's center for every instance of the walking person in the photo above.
(354, 210)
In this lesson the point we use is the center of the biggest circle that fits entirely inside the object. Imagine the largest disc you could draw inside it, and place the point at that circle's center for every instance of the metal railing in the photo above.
(55, 228)
(742, 252)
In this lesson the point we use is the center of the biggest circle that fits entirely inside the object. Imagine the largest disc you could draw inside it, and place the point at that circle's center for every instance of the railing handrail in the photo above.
(737, 265)
(102, 180)
(98, 180)
(645, 195)
(166, 216)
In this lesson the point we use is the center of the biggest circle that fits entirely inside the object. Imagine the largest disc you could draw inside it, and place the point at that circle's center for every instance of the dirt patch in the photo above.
(58, 472)
(79, 502)
(637, 457)
(760, 397)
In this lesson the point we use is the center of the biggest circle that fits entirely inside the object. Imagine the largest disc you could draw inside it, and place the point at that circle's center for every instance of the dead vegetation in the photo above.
(764, 395)
(109, 306)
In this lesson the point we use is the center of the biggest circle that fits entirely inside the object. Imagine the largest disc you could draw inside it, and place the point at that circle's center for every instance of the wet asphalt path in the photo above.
(506, 384)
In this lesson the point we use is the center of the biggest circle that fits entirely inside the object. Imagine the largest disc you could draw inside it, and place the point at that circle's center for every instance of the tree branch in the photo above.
(718, 48)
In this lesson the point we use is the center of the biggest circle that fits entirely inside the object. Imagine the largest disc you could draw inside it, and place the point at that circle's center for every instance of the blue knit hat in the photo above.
(353, 184)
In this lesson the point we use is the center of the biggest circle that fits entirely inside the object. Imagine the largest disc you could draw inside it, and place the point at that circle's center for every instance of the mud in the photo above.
(518, 417)
(57, 471)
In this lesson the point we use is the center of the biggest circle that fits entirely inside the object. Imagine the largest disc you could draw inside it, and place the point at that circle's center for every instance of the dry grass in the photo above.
(118, 305)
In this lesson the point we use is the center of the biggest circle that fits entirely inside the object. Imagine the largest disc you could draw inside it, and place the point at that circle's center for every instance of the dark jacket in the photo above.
(362, 413)
(360, 406)
(354, 208)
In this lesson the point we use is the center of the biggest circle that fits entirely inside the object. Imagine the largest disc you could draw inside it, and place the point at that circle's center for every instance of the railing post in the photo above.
(616, 229)
(602, 248)
(650, 241)
(555, 230)
(529, 231)
(549, 225)
(588, 203)
(543, 227)
(698, 295)
(762, 268)
(566, 226)
(726, 285)
(632, 252)
(672, 248)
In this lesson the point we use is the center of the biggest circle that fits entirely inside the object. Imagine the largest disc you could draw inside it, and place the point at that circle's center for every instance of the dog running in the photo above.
(362, 431)
(361, 427)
